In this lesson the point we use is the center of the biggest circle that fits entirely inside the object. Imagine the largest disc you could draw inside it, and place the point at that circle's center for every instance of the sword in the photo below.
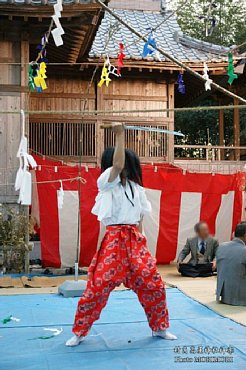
(148, 129)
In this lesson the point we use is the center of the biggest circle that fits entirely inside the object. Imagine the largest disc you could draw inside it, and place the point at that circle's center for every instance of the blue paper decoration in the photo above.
(181, 85)
(150, 45)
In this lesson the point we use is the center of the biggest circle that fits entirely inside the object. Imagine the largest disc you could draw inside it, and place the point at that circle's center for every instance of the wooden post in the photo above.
(24, 103)
(236, 130)
(170, 95)
(221, 133)
(10, 95)
(99, 133)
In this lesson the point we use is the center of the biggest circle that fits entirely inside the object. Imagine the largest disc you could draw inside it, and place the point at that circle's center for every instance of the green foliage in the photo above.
(197, 126)
(13, 226)
(230, 30)
(230, 16)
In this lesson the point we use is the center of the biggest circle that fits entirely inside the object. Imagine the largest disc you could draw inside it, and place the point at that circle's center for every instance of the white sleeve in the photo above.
(145, 204)
(103, 183)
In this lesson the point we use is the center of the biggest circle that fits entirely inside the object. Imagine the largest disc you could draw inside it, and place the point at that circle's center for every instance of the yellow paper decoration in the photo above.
(104, 76)
(39, 80)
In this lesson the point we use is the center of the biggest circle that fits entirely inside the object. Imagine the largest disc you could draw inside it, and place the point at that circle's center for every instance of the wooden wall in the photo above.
(63, 94)
(67, 94)
(13, 97)
(64, 135)
(138, 95)
(135, 95)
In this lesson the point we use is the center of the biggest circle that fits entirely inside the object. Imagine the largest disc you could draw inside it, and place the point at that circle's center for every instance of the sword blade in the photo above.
(152, 129)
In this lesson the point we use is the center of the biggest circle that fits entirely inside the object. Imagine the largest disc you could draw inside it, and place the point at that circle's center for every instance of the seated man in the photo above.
(203, 249)
(231, 269)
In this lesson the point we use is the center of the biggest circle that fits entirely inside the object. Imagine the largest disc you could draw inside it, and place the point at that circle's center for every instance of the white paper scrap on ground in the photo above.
(14, 319)
(54, 331)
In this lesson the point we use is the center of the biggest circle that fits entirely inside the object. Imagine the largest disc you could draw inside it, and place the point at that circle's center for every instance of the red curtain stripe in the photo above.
(172, 183)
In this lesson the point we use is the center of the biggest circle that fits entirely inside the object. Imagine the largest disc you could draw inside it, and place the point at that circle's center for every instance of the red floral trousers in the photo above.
(123, 258)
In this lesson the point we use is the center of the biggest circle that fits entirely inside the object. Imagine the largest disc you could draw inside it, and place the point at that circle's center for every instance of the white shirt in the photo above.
(112, 206)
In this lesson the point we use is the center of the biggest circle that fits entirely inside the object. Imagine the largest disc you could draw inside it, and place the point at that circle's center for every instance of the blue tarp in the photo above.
(121, 339)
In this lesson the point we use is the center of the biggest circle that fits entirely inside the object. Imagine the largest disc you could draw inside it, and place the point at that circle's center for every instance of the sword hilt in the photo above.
(107, 125)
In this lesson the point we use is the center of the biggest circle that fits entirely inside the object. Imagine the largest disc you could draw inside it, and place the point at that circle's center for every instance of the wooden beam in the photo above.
(49, 95)
(157, 121)
(221, 133)
(14, 88)
(90, 34)
(47, 11)
(75, 23)
(214, 67)
(236, 129)
(57, 118)
(136, 97)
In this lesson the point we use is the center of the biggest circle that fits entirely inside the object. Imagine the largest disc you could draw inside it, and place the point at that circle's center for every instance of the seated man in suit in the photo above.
(203, 249)
(231, 269)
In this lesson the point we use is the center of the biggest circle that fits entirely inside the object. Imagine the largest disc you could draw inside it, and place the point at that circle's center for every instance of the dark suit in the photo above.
(195, 267)
(231, 271)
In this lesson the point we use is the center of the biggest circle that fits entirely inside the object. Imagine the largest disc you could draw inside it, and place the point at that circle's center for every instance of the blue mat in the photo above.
(121, 339)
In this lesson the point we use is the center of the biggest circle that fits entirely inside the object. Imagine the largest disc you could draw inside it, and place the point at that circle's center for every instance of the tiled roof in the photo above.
(42, 2)
(168, 36)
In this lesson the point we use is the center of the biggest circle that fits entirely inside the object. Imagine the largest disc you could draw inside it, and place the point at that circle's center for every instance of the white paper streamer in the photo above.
(23, 180)
(25, 194)
(23, 143)
(58, 31)
(60, 196)
(19, 176)
(112, 70)
(206, 76)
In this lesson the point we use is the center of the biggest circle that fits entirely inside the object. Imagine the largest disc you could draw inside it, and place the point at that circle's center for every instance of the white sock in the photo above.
(164, 334)
(74, 341)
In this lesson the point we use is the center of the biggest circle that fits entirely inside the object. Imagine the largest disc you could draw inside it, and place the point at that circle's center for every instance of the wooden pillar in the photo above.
(24, 56)
(13, 97)
(24, 104)
(9, 123)
(221, 133)
(99, 132)
(170, 96)
(236, 130)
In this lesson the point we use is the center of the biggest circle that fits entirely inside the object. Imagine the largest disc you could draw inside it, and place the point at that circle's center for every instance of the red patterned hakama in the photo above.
(123, 258)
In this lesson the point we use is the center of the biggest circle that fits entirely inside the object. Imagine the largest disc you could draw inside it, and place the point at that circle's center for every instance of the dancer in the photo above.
(123, 256)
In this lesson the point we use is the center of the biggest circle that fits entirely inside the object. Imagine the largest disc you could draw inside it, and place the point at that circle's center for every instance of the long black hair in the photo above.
(132, 164)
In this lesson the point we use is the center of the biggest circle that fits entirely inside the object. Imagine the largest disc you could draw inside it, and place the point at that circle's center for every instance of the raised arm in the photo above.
(119, 153)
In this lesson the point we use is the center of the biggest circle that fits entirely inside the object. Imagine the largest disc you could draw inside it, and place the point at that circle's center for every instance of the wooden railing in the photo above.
(73, 139)
(209, 152)
(70, 140)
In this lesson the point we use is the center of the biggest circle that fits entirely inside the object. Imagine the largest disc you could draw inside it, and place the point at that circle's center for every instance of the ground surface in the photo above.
(200, 289)
(121, 339)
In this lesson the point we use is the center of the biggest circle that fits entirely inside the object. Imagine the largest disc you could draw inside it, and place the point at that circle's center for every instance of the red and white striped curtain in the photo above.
(179, 200)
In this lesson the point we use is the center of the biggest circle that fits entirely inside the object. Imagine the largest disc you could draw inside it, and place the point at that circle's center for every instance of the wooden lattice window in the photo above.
(69, 139)
(148, 145)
